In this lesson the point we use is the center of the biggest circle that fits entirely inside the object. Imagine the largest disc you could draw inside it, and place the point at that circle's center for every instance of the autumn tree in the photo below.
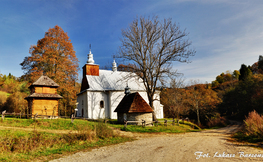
(16, 103)
(173, 98)
(152, 45)
(202, 99)
(236, 74)
(54, 57)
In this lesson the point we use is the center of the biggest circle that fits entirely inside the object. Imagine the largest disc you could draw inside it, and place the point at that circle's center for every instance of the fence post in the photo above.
(165, 122)
(105, 121)
(143, 123)
(173, 122)
(72, 118)
(3, 114)
(125, 124)
(35, 116)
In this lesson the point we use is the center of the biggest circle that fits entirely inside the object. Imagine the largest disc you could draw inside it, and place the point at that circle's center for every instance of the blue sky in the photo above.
(224, 33)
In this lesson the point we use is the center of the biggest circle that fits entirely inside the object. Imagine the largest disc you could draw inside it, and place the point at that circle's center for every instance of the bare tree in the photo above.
(173, 98)
(152, 46)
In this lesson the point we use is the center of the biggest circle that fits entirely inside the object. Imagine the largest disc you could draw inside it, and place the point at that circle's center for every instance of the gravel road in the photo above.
(210, 145)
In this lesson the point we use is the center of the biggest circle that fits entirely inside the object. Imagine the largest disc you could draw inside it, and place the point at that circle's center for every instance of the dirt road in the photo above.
(196, 146)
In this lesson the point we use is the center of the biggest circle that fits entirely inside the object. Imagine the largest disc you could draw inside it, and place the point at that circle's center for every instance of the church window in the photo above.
(101, 104)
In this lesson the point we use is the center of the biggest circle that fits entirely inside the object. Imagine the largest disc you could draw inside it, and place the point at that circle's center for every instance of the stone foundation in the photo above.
(134, 117)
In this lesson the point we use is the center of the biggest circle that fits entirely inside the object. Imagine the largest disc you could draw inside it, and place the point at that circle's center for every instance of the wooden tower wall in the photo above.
(45, 107)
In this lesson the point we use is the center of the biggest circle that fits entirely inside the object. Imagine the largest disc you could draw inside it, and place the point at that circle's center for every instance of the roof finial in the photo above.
(90, 56)
(127, 89)
(114, 66)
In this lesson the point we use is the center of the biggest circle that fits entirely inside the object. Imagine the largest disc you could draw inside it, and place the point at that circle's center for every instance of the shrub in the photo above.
(85, 133)
(216, 121)
(254, 124)
(103, 131)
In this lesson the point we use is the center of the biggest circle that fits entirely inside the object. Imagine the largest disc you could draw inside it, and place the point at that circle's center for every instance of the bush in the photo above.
(254, 125)
(216, 121)
(103, 131)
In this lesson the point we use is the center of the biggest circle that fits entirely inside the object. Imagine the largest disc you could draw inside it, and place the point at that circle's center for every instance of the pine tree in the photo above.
(245, 72)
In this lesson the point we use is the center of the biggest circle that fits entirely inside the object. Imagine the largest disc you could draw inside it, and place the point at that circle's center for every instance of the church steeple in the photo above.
(114, 66)
(89, 69)
(90, 58)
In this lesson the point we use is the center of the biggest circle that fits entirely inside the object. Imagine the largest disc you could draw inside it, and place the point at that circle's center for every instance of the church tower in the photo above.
(90, 68)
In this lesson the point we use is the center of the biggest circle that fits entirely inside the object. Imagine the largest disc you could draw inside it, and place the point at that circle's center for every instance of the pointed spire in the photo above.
(90, 56)
(114, 66)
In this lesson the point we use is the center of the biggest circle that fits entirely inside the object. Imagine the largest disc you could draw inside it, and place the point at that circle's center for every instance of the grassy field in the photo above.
(20, 145)
(49, 139)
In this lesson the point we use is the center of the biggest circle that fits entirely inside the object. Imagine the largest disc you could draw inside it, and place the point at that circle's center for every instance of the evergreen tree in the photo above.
(245, 72)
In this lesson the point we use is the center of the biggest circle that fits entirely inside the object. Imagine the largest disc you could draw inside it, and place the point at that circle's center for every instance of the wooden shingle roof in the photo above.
(44, 95)
(45, 81)
(133, 103)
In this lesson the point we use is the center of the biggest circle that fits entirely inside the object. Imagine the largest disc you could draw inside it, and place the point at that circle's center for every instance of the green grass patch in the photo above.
(157, 129)
(53, 124)
(5, 93)
(181, 128)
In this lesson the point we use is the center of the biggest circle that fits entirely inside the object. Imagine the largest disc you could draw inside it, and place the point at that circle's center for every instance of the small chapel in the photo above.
(103, 90)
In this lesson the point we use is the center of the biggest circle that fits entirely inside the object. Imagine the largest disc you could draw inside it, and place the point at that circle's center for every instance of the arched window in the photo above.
(101, 104)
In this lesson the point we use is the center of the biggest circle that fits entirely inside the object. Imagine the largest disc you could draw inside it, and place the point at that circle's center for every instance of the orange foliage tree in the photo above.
(54, 57)
(173, 101)
(202, 98)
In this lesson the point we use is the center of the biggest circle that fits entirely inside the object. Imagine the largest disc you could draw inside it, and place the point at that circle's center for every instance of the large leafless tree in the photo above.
(152, 46)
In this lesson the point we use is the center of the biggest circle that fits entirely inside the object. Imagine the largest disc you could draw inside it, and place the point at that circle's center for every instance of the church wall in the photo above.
(90, 102)
(158, 107)
(97, 104)
(115, 98)
(82, 106)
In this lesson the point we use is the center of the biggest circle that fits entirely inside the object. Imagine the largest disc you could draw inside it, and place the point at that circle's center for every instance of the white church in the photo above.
(102, 91)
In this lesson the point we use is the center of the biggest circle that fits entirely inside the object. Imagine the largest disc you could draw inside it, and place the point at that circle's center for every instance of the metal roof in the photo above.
(117, 80)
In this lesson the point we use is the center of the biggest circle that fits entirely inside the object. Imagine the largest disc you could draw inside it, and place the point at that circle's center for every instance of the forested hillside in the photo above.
(231, 95)
(12, 93)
